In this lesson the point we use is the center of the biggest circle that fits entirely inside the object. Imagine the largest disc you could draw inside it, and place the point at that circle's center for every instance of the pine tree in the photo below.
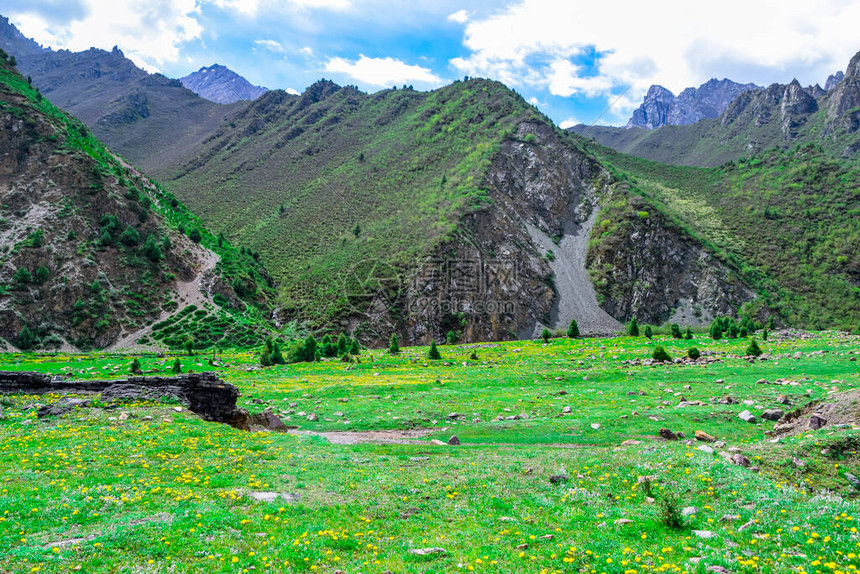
(135, 367)
(451, 338)
(633, 327)
(189, 345)
(177, 366)
(648, 332)
(342, 344)
(716, 330)
(676, 331)
(688, 334)
(354, 348)
(433, 353)
(753, 350)
(661, 355)
(393, 345)
(546, 335)
(573, 329)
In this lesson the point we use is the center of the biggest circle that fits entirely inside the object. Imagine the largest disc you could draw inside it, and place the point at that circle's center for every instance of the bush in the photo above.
(573, 329)
(177, 366)
(22, 276)
(716, 330)
(546, 335)
(195, 236)
(648, 332)
(342, 344)
(753, 350)
(26, 339)
(36, 239)
(451, 338)
(135, 368)
(393, 345)
(633, 327)
(303, 351)
(129, 237)
(693, 353)
(42, 274)
(96, 287)
(676, 331)
(327, 347)
(660, 354)
(670, 511)
(688, 334)
(271, 354)
(355, 348)
(733, 331)
(433, 353)
(189, 345)
(473, 356)
(151, 249)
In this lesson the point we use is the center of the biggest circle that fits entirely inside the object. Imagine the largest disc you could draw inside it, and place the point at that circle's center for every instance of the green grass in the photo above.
(170, 493)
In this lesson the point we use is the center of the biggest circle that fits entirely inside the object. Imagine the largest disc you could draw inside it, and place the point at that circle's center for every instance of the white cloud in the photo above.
(150, 32)
(271, 45)
(569, 123)
(307, 51)
(541, 44)
(383, 71)
(460, 17)
(252, 7)
(292, 91)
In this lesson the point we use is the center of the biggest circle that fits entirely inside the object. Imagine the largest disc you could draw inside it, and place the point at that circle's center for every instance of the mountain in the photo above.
(661, 107)
(95, 255)
(14, 42)
(221, 85)
(781, 116)
(833, 80)
(148, 118)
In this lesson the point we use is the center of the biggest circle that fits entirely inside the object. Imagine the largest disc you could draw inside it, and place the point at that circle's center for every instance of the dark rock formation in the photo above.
(661, 107)
(833, 80)
(222, 85)
(203, 393)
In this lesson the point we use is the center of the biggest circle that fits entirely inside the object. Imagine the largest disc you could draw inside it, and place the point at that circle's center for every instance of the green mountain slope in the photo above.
(786, 221)
(93, 253)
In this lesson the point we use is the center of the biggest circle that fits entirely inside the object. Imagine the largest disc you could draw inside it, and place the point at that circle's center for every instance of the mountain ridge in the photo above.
(221, 85)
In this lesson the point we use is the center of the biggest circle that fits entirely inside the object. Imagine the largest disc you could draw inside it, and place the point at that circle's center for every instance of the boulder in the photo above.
(772, 414)
(747, 417)
(705, 437)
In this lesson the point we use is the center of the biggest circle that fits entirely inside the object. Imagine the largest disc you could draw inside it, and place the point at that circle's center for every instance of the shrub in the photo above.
(743, 333)
(753, 350)
(633, 327)
(433, 353)
(716, 330)
(151, 249)
(648, 332)
(670, 511)
(22, 276)
(303, 351)
(177, 366)
(135, 368)
(676, 331)
(36, 239)
(451, 338)
(573, 329)
(355, 348)
(733, 331)
(271, 354)
(473, 356)
(195, 236)
(546, 335)
(764, 334)
(693, 353)
(342, 344)
(189, 345)
(96, 287)
(660, 354)
(42, 274)
(129, 237)
(26, 339)
(393, 345)
(327, 347)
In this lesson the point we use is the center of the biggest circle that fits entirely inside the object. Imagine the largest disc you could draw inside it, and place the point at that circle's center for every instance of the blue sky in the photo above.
(570, 58)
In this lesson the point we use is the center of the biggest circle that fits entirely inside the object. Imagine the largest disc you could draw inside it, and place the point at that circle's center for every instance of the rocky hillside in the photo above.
(221, 85)
(781, 116)
(92, 252)
(661, 107)
(148, 118)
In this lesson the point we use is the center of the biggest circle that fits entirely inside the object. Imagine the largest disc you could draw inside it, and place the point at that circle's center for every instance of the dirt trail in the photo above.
(187, 293)
(576, 298)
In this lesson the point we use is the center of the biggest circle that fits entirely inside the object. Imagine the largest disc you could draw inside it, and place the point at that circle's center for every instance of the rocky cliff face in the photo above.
(15, 43)
(222, 85)
(661, 107)
(85, 255)
(644, 267)
(833, 80)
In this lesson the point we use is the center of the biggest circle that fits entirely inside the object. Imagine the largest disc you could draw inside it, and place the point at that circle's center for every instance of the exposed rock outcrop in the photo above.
(661, 107)
(222, 85)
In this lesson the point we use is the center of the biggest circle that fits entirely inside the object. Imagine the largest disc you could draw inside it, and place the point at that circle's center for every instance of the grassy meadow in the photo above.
(150, 487)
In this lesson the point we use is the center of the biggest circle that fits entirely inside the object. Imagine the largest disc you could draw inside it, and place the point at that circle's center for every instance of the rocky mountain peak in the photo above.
(833, 80)
(222, 85)
(660, 107)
